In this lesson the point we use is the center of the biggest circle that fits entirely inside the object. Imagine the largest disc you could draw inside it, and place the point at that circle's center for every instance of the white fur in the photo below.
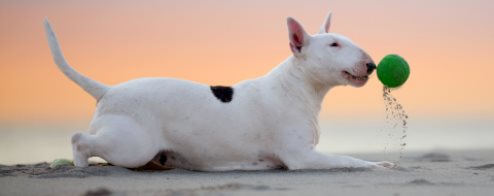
(271, 122)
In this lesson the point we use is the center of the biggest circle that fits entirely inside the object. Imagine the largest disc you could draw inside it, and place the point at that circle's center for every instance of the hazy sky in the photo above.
(449, 45)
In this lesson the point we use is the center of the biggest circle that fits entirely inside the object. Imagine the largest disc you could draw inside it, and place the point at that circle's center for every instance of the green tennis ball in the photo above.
(60, 162)
(393, 71)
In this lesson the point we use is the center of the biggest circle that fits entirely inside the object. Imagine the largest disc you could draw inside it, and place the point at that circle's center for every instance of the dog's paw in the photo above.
(384, 165)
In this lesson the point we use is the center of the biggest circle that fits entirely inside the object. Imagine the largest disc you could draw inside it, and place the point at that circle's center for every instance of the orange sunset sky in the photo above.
(449, 45)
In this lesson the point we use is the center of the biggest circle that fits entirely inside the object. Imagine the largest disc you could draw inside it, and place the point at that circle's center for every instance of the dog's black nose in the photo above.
(370, 67)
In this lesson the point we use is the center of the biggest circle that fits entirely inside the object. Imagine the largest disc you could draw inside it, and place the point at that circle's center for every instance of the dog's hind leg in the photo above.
(80, 149)
(119, 141)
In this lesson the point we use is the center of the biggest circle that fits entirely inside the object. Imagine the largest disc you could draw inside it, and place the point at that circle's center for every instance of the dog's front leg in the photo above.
(311, 159)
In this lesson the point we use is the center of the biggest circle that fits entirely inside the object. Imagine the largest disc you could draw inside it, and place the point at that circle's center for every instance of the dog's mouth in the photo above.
(354, 80)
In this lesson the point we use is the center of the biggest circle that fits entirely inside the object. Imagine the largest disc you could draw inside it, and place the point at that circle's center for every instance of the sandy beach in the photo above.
(425, 173)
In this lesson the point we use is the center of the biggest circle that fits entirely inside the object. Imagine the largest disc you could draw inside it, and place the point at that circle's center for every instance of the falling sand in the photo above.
(396, 120)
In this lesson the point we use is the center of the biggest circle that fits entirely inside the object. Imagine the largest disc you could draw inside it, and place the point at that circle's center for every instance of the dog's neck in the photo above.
(298, 82)
(302, 90)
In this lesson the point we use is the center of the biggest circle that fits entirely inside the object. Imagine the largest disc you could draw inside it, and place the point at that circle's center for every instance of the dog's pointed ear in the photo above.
(327, 23)
(298, 37)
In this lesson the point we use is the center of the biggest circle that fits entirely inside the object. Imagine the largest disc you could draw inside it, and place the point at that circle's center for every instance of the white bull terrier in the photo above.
(264, 123)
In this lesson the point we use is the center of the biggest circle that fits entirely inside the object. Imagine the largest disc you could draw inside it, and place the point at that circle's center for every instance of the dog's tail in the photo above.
(94, 88)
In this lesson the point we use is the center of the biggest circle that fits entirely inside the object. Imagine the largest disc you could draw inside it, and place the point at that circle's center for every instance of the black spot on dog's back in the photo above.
(223, 93)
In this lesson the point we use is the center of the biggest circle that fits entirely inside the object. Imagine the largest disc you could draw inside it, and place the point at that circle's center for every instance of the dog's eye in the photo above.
(335, 44)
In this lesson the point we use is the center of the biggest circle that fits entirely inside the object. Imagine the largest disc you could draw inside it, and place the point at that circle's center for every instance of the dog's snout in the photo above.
(370, 67)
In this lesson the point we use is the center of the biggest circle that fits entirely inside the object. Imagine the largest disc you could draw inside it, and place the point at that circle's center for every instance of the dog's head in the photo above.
(329, 57)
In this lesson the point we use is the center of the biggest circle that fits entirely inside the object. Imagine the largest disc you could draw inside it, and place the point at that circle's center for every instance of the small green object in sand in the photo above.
(61, 162)
(393, 71)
